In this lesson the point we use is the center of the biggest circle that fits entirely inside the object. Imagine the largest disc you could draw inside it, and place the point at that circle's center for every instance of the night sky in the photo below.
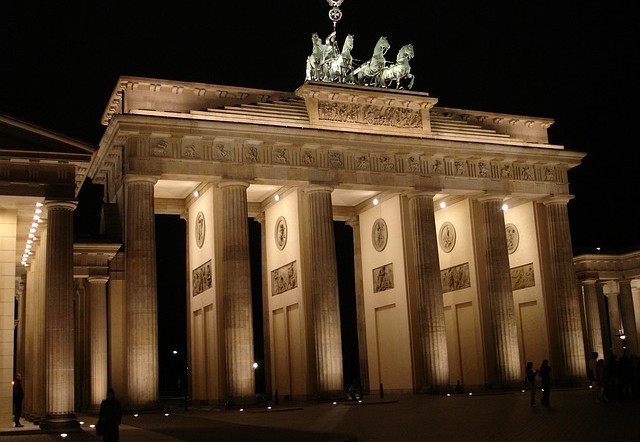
(570, 61)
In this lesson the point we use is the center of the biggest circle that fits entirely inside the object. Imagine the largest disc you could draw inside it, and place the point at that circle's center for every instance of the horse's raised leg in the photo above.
(413, 77)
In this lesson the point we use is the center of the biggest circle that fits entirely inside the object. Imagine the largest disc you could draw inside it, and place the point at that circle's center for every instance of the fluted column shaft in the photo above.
(324, 290)
(615, 323)
(236, 290)
(592, 311)
(500, 292)
(429, 291)
(141, 287)
(363, 357)
(563, 281)
(28, 352)
(34, 379)
(59, 336)
(98, 340)
(628, 317)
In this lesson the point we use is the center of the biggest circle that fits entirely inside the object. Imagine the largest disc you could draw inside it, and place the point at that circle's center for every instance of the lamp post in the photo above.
(185, 369)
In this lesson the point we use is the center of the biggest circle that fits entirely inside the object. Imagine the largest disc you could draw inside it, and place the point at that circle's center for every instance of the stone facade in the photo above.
(449, 285)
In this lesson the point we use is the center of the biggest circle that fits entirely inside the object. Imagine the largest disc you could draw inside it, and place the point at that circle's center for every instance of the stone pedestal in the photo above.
(500, 293)
(324, 291)
(59, 335)
(141, 287)
(236, 291)
(429, 291)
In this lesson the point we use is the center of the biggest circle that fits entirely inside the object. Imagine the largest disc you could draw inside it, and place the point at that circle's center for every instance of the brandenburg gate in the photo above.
(462, 252)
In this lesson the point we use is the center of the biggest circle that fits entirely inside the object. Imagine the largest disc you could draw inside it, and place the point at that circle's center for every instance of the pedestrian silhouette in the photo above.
(545, 374)
(18, 396)
(110, 418)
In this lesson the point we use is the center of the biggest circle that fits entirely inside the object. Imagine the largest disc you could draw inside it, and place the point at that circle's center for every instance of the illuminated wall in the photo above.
(289, 340)
(204, 308)
(385, 300)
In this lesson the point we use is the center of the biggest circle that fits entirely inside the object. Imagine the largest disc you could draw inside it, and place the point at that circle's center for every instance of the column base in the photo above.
(56, 424)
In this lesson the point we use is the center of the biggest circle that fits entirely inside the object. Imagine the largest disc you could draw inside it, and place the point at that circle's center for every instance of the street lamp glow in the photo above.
(255, 365)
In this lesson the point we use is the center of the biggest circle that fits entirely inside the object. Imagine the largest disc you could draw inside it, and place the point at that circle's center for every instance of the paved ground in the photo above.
(573, 416)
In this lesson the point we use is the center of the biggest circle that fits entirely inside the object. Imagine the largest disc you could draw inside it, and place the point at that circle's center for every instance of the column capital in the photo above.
(98, 279)
(353, 222)
(491, 197)
(228, 183)
(136, 178)
(69, 205)
(557, 199)
(421, 193)
(311, 188)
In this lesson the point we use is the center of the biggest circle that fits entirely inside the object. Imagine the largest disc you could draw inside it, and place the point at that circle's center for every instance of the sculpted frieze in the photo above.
(250, 154)
(523, 277)
(280, 155)
(386, 163)
(413, 164)
(369, 114)
(483, 169)
(455, 278)
(338, 157)
(191, 152)
(336, 160)
(362, 162)
(159, 148)
(308, 158)
(222, 152)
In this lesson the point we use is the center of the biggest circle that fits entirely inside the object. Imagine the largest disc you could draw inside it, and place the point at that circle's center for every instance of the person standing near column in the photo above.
(110, 418)
(18, 396)
(545, 375)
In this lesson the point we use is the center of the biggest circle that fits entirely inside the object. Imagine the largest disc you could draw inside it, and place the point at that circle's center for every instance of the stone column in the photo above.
(429, 291)
(363, 357)
(59, 336)
(500, 294)
(571, 366)
(615, 323)
(628, 317)
(324, 291)
(141, 288)
(35, 382)
(266, 310)
(98, 340)
(592, 313)
(29, 351)
(236, 291)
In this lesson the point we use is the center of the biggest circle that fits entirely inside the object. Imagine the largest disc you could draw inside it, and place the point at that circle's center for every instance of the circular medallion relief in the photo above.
(200, 229)
(379, 234)
(280, 233)
(447, 237)
(513, 237)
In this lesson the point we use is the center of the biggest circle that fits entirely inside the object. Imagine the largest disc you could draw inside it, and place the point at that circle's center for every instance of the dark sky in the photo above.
(566, 60)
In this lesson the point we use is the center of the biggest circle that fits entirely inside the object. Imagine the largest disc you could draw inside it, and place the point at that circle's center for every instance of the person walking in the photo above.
(531, 381)
(110, 418)
(18, 396)
(545, 374)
